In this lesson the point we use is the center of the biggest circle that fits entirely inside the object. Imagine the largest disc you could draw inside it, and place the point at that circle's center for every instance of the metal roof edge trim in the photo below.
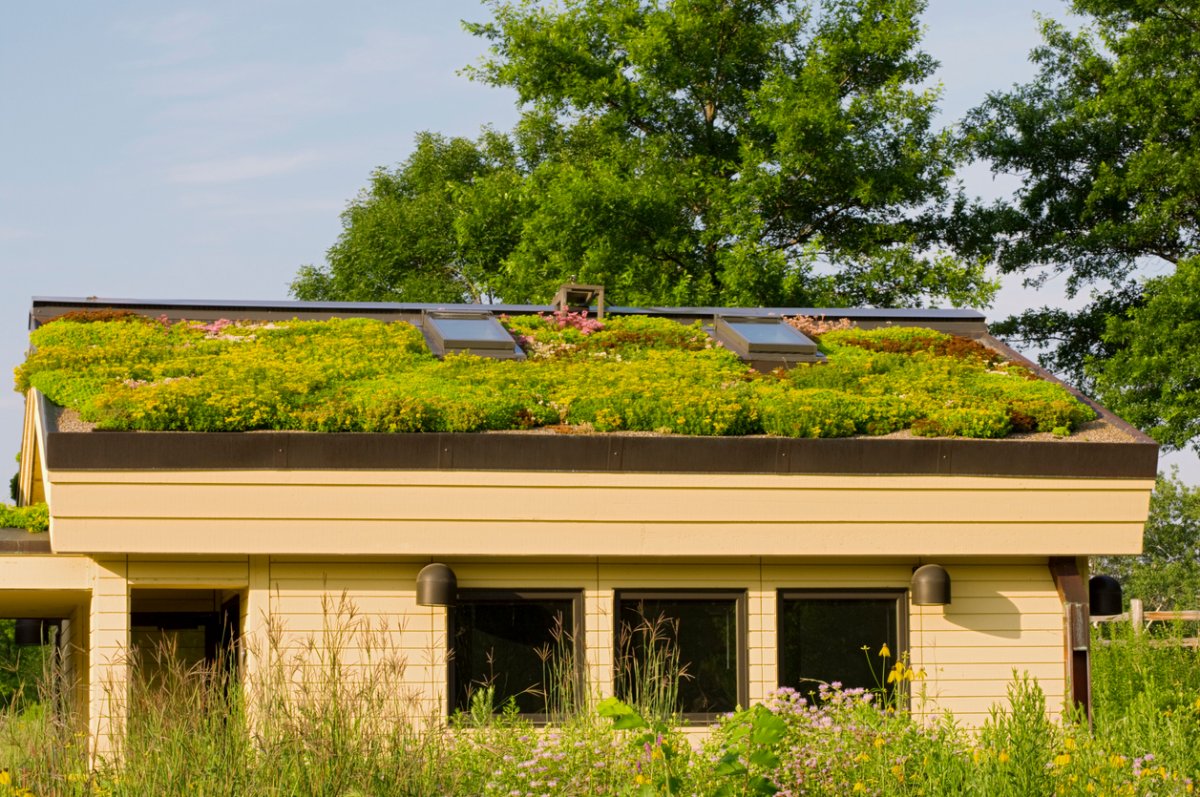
(522, 451)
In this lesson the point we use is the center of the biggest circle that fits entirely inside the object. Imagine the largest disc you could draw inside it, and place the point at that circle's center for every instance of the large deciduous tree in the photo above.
(1106, 142)
(733, 152)
(1166, 575)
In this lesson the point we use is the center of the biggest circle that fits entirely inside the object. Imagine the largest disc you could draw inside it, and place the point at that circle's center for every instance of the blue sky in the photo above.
(205, 150)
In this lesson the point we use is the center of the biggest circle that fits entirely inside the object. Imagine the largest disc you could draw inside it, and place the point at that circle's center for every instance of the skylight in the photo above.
(764, 338)
(477, 333)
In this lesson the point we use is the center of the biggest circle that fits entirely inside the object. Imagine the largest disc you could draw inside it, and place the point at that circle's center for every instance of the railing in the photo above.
(1140, 619)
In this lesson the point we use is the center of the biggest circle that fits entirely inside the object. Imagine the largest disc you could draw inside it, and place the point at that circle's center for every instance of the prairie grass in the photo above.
(335, 714)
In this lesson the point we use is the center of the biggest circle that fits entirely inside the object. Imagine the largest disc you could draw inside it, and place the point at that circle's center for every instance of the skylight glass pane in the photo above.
(770, 335)
(471, 333)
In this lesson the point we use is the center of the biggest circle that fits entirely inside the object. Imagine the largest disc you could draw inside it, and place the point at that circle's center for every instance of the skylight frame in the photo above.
(728, 329)
(443, 340)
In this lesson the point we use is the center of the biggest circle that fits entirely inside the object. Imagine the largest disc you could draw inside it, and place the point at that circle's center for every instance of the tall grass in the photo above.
(334, 714)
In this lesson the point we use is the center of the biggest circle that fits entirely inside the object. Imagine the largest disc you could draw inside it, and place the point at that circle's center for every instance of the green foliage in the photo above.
(433, 230)
(1153, 383)
(687, 153)
(21, 669)
(631, 373)
(35, 517)
(1166, 575)
(1104, 142)
(1146, 695)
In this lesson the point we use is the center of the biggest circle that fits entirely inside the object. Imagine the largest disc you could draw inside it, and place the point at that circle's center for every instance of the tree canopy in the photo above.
(1104, 140)
(733, 152)
(1166, 575)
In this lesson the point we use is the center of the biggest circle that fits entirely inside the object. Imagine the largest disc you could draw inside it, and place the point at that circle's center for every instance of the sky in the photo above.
(155, 149)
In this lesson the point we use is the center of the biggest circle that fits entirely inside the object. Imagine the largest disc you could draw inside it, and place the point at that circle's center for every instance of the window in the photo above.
(822, 636)
(477, 333)
(700, 633)
(522, 644)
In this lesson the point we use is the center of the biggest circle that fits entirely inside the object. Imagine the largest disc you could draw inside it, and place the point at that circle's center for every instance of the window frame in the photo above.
(739, 597)
(898, 595)
(506, 594)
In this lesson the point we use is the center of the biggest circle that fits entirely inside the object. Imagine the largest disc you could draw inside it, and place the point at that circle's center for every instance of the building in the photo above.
(779, 557)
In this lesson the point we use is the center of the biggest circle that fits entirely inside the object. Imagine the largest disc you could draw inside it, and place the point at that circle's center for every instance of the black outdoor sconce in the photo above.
(31, 631)
(1104, 596)
(437, 586)
(930, 586)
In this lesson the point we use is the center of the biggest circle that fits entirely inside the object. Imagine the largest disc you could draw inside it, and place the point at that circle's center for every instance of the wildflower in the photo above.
(879, 742)
(885, 652)
(859, 787)
(1062, 759)
(1003, 756)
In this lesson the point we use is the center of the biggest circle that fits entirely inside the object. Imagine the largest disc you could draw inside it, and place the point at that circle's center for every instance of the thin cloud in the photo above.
(179, 37)
(232, 170)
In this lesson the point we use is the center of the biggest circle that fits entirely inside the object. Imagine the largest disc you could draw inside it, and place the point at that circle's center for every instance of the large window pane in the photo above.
(521, 644)
(822, 636)
(704, 630)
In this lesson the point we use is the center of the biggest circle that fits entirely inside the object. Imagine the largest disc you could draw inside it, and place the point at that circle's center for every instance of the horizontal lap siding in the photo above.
(593, 514)
(388, 646)
(1004, 619)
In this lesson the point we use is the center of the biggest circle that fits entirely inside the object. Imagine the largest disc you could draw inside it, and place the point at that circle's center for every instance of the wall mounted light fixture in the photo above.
(930, 586)
(437, 586)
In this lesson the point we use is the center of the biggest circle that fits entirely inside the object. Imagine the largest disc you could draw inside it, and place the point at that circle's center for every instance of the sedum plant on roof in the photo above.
(629, 373)
(34, 517)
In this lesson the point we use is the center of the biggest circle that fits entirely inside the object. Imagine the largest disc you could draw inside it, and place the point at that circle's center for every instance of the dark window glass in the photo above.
(821, 639)
(516, 643)
(706, 633)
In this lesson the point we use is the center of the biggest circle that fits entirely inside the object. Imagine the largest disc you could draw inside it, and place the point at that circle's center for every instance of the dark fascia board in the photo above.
(519, 451)
(45, 308)
(22, 541)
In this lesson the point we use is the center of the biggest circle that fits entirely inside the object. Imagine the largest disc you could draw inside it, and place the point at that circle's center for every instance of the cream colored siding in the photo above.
(487, 513)
(1009, 618)
(108, 651)
(1004, 619)
(358, 619)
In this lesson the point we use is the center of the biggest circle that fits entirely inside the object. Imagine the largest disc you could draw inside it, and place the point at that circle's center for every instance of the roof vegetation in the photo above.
(628, 373)
(35, 517)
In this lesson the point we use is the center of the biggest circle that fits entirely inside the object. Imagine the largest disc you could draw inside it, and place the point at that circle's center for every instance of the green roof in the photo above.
(628, 373)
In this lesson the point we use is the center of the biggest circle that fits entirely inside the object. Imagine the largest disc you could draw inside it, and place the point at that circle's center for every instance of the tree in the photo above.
(419, 233)
(1105, 142)
(732, 152)
(1166, 576)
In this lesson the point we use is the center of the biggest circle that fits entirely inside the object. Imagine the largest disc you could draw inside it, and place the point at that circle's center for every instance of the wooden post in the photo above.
(1137, 615)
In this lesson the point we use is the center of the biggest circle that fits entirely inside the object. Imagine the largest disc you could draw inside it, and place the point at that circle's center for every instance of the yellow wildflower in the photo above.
(885, 652)
(879, 742)
(1069, 743)
(1003, 757)
(1062, 760)
(859, 787)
